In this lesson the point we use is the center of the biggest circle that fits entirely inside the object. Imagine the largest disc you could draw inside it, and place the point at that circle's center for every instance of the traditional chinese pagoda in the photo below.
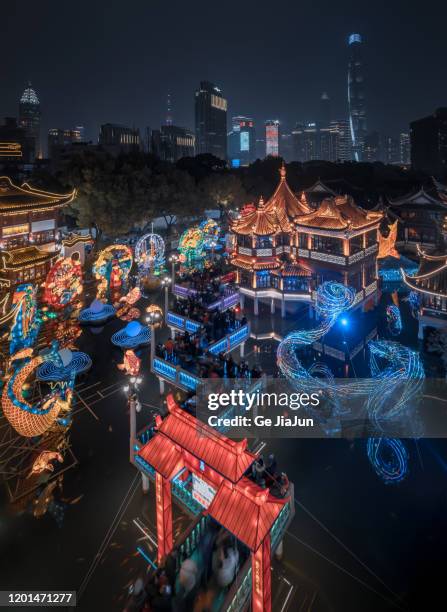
(284, 248)
(422, 219)
(430, 282)
(28, 227)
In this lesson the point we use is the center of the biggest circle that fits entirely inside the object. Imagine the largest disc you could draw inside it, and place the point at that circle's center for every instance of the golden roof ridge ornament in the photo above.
(283, 172)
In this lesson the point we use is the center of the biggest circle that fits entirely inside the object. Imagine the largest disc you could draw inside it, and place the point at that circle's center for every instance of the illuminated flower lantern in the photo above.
(132, 336)
(97, 312)
(26, 321)
(112, 267)
(131, 363)
(63, 365)
(150, 252)
(191, 243)
(63, 284)
(211, 231)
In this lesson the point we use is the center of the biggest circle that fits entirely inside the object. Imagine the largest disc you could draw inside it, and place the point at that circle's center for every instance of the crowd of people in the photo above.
(192, 354)
(215, 323)
(190, 583)
(207, 284)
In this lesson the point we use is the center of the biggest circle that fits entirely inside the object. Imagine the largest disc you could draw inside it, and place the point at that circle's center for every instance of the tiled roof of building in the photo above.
(14, 198)
(339, 213)
(272, 216)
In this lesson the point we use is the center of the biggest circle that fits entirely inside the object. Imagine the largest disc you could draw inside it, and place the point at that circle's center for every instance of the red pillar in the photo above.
(164, 516)
(261, 578)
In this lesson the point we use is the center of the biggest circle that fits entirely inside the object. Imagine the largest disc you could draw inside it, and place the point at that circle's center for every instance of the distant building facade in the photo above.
(171, 143)
(59, 139)
(29, 120)
(117, 139)
(405, 148)
(428, 138)
(211, 121)
(329, 143)
(356, 96)
(242, 141)
(391, 147)
(272, 137)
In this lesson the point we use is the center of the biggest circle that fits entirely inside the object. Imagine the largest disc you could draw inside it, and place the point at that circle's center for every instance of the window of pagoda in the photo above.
(369, 273)
(263, 242)
(262, 279)
(303, 240)
(355, 279)
(296, 283)
(327, 244)
(356, 244)
(246, 278)
(244, 241)
(283, 239)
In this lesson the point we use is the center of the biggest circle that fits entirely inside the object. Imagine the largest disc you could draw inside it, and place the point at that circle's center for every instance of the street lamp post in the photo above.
(133, 402)
(166, 281)
(173, 259)
(152, 319)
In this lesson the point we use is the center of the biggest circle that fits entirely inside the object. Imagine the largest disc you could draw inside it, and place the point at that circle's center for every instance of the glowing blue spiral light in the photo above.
(389, 458)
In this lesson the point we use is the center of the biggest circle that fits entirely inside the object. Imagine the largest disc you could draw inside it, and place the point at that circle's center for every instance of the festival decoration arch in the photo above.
(112, 267)
(63, 284)
(150, 251)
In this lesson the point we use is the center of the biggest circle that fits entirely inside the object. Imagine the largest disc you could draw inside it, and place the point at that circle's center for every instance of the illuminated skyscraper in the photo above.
(356, 96)
(29, 120)
(211, 120)
(241, 141)
(272, 137)
(405, 148)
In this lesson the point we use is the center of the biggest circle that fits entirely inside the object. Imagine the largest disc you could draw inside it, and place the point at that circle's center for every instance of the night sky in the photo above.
(97, 61)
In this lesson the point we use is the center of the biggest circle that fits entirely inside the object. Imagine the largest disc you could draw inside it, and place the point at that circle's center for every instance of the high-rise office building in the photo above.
(117, 139)
(211, 120)
(242, 141)
(356, 96)
(342, 140)
(272, 137)
(372, 151)
(29, 120)
(391, 150)
(428, 137)
(405, 148)
(171, 143)
(59, 139)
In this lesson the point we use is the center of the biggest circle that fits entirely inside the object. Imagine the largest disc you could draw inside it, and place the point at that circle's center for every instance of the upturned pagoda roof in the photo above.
(256, 263)
(275, 215)
(420, 199)
(186, 433)
(27, 255)
(16, 199)
(339, 213)
(431, 277)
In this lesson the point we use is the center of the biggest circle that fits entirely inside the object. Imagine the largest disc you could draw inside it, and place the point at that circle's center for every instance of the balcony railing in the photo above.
(179, 377)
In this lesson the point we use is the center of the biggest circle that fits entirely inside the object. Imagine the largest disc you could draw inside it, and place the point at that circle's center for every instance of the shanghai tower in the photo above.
(356, 96)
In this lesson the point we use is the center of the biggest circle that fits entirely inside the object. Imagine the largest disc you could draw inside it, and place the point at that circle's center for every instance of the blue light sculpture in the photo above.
(132, 336)
(97, 312)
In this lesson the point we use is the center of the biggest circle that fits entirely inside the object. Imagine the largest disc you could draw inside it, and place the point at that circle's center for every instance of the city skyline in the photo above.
(98, 81)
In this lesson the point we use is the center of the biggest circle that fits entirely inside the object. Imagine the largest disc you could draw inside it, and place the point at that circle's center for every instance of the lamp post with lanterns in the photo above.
(173, 259)
(165, 282)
